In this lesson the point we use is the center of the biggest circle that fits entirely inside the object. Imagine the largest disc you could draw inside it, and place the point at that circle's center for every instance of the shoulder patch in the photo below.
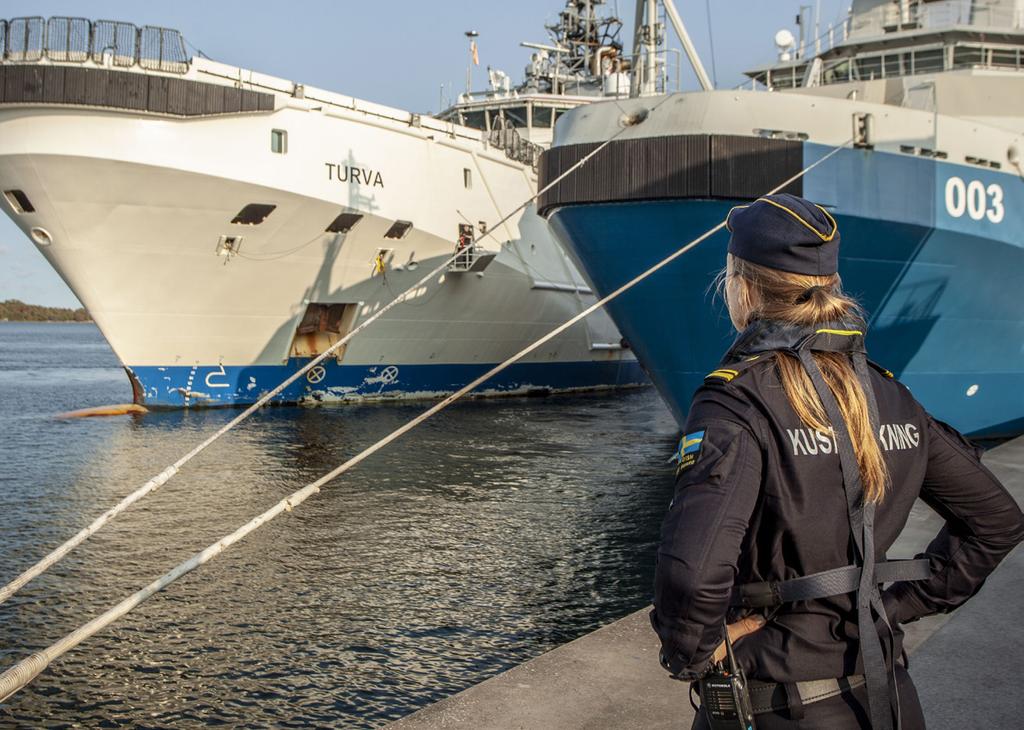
(690, 446)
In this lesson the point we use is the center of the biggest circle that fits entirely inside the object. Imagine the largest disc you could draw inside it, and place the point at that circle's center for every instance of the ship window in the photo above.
(467, 178)
(516, 115)
(19, 201)
(892, 66)
(782, 79)
(966, 57)
(1009, 58)
(398, 229)
(253, 214)
(474, 119)
(542, 116)
(278, 141)
(344, 223)
(838, 73)
(928, 61)
(869, 69)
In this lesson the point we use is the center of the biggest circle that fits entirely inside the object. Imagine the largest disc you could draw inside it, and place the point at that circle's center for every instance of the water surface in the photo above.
(492, 533)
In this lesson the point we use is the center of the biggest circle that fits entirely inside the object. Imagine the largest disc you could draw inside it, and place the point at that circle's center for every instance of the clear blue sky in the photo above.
(396, 52)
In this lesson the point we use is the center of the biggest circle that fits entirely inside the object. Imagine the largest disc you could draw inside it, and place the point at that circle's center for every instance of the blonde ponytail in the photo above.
(757, 292)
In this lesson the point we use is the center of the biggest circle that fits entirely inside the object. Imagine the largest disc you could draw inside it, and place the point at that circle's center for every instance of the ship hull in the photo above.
(136, 208)
(941, 291)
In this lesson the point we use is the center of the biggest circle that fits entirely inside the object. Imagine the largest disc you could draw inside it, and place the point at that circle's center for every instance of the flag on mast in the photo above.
(476, 56)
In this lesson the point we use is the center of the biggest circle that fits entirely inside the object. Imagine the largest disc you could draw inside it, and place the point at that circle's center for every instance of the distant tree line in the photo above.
(16, 311)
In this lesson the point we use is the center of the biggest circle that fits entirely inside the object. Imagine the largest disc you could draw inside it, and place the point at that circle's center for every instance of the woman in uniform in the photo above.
(799, 458)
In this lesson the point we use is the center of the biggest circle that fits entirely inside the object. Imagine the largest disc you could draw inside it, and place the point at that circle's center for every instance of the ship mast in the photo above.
(648, 36)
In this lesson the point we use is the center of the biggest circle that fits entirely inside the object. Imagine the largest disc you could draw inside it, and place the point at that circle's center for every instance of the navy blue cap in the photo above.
(787, 233)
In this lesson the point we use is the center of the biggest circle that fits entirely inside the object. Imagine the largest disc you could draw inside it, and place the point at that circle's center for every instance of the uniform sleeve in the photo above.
(701, 537)
(983, 524)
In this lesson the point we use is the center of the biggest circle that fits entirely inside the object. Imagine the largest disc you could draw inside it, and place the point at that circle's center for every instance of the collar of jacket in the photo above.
(768, 336)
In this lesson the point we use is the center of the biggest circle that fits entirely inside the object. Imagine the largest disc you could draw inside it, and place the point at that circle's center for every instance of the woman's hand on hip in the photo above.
(737, 631)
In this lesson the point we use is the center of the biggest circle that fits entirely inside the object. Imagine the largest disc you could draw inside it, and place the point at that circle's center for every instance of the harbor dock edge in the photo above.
(611, 678)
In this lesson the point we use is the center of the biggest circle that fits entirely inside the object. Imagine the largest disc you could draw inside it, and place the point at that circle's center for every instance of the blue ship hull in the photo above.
(216, 385)
(941, 285)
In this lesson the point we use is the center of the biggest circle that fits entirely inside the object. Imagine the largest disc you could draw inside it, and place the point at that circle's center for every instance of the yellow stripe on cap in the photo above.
(804, 223)
(729, 215)
(845, 333)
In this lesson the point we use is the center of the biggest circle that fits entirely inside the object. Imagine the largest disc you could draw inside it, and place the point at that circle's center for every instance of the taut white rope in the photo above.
(160, 479)
(26, 670)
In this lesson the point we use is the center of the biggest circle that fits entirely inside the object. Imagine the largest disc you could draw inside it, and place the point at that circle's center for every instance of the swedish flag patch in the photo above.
(689, 450)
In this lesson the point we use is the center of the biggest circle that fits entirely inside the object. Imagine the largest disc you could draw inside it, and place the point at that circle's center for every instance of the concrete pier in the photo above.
(965, 665)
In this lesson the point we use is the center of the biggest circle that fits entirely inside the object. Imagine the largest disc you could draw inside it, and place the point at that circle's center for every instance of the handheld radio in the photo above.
(725, 696)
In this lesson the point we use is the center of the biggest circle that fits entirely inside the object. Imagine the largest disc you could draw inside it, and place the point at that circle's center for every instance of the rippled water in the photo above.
(491, 534)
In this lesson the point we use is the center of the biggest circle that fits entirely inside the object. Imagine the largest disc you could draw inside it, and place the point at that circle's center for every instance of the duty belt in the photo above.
(772, 696)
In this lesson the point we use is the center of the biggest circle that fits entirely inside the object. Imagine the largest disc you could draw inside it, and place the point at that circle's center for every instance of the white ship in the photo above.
(223, 226)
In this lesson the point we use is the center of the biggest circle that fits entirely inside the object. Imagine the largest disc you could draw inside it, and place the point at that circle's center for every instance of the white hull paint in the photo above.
(136, 204)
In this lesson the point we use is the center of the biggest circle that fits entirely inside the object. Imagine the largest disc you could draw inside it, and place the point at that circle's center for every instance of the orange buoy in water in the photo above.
(117, 410)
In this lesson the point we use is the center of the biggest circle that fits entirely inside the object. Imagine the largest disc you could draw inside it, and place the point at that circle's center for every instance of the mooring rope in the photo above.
(26, 670)
(162, 478)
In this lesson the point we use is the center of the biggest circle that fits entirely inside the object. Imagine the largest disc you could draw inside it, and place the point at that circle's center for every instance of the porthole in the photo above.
(41, 236)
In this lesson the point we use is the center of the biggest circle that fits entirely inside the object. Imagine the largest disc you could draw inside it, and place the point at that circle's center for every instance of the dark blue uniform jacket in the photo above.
(759, 497)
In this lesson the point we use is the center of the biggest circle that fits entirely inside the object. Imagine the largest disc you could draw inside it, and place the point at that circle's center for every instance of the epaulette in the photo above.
(879, 368)
(733, 371)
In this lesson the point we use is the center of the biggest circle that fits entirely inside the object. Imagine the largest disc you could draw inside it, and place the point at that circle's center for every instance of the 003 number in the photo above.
(974, 199)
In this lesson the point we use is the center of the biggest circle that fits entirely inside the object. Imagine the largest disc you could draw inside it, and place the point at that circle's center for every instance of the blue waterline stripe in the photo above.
(215, 385)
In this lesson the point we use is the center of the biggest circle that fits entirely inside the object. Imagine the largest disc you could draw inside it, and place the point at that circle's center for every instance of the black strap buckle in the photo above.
(757, 595)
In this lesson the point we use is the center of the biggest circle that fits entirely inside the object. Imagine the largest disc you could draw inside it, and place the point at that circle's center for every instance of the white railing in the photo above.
(78, 40)
(505, 136)
(933, 16)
